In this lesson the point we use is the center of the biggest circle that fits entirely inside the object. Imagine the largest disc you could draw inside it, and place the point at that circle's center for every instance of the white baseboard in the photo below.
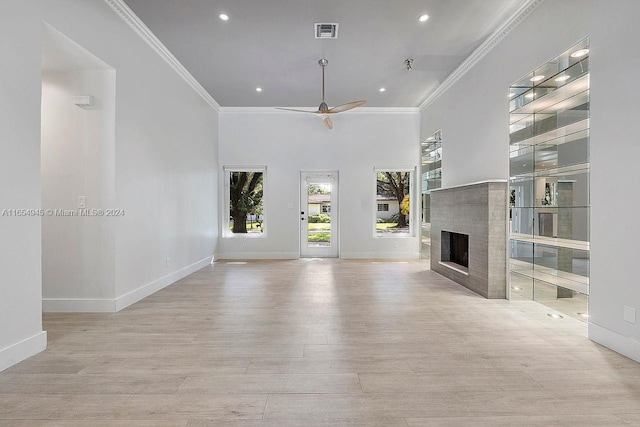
(626, 346)
(78, 305)
(380, 255)
(96, 305)
(19, 351)
(136, 295)
(258, 255)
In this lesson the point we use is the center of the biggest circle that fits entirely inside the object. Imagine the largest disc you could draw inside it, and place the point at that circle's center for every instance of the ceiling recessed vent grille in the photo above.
(326, 31)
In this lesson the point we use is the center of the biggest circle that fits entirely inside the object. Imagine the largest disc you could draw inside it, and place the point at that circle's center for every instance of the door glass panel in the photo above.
(319, 215)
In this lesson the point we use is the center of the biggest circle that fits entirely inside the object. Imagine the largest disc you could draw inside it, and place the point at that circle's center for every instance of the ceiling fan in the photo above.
(323, 109)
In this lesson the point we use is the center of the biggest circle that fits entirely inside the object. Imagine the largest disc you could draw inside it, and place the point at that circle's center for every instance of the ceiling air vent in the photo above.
(326, 31)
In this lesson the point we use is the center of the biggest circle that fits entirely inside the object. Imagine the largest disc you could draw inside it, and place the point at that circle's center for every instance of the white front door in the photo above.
(319, 214)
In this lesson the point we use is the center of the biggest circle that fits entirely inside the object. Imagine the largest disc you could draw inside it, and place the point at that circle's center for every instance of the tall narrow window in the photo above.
(245, 213)
(393, 202)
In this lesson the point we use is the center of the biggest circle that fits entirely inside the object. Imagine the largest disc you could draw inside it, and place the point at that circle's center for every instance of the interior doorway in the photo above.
(78, 177)
(319, 214)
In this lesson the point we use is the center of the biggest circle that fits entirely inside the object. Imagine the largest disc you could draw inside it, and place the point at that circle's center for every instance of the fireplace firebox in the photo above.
(455, 248)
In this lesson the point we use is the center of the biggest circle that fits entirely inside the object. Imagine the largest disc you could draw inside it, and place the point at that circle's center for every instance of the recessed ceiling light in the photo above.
(563, 78)
(579, 53)
(554, 316)
(423, 17)
(382, 89)
(258, 89)
(536, 78)
(223, 16)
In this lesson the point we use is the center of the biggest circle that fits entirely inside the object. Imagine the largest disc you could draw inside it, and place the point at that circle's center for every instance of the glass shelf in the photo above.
(558, 136)
(573, 94)
(551, 241)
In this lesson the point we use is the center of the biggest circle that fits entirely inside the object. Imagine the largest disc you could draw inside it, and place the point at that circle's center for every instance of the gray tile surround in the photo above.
(479, 210)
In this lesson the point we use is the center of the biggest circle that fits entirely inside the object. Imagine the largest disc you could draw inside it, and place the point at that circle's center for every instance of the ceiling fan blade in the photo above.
(328, 123)
(298, 111)
(345, 107)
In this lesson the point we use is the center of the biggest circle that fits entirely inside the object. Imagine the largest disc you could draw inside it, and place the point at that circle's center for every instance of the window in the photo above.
(393, 216)
(244, 194)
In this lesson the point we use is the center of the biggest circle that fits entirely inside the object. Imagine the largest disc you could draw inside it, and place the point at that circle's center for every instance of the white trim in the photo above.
(514, 20)
(21, 350)
(78, 305)
(244, 168)
(120, 7)
(256, 255)
(469, 185)
(105, 305)
(380, 255)
(360, 110)
(136, 295)
(626, 346)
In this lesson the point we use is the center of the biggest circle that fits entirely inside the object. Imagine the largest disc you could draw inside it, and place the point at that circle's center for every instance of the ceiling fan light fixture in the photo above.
(323, 108)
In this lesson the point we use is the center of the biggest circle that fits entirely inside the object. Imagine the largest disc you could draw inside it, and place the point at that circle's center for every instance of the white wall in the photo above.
(77, 159)
(20, 289)
(473, 115)
(165, 163)
(290, 142)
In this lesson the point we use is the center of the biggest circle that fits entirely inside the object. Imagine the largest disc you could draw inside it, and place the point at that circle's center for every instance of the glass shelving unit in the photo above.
(431, 177)
(549, 184)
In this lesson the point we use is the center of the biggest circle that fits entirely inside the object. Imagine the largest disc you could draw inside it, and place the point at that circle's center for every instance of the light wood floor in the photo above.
(320, 342)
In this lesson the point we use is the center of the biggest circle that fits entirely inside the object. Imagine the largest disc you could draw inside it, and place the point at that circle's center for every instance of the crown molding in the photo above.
(505, 28)
(360, 110)
(122, 10)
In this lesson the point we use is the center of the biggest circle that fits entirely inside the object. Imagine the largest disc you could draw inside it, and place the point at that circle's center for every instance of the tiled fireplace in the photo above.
(469, 236)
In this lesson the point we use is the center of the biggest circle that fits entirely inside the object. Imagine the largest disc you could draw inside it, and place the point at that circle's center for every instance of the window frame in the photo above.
(412, 197)
(226, 214)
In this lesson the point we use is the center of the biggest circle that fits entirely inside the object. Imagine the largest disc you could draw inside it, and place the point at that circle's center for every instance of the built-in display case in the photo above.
(549, 183)
(431, 178)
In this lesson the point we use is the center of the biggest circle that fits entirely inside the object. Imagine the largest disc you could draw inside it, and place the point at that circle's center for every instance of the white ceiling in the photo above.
(270, 44)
